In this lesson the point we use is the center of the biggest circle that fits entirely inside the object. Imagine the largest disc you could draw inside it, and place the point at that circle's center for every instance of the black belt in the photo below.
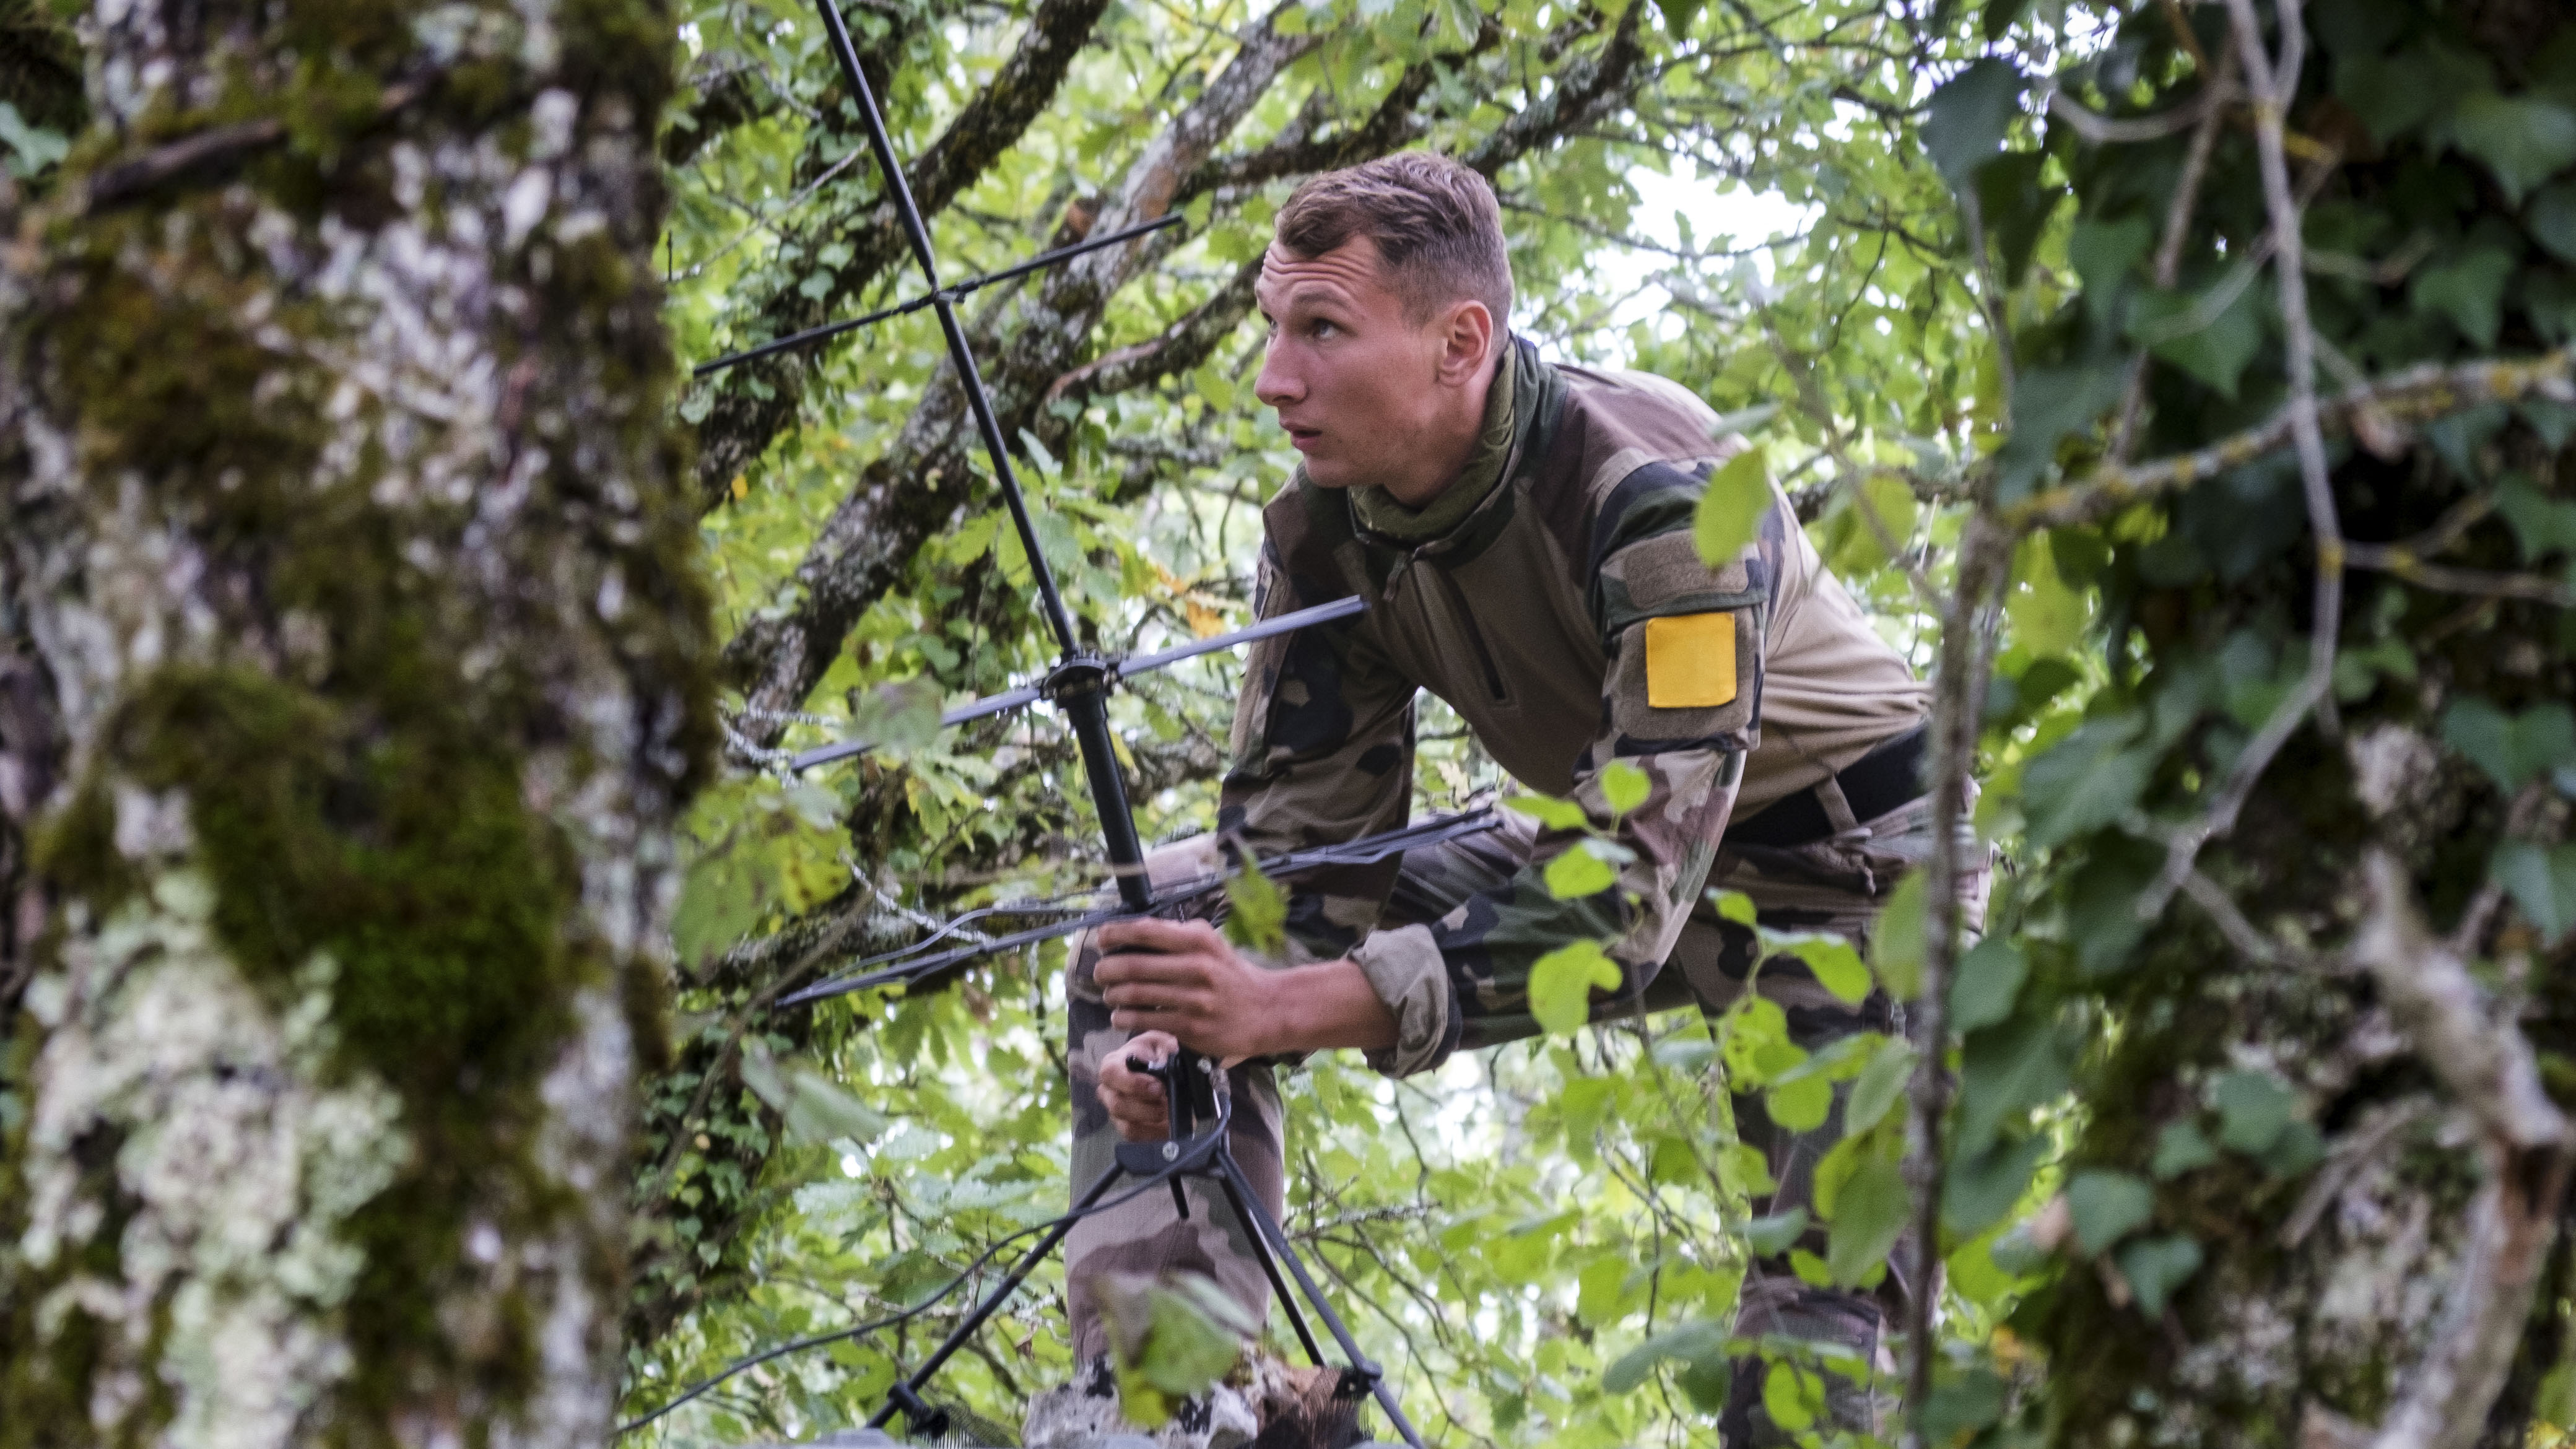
(1876, 783)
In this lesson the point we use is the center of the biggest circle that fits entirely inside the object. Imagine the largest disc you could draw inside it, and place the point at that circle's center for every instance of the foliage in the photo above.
(2012, 282)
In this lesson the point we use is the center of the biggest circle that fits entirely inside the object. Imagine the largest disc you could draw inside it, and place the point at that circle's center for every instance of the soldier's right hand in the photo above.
(1135, 1100)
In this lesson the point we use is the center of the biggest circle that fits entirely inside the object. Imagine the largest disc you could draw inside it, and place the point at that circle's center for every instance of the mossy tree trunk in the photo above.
(352, 674)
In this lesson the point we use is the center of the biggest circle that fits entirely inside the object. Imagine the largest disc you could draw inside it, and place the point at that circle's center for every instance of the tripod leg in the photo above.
(1241, 1198)
(1240, 1189)
(896, 1398)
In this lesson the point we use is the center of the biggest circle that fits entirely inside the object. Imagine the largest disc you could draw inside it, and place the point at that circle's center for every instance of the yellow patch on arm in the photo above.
(1690, 661)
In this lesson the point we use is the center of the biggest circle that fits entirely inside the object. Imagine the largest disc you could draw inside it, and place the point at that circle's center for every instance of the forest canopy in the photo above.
(2181, 387)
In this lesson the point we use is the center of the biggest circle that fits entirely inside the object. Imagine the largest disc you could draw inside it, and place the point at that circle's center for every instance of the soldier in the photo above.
(1522, 534)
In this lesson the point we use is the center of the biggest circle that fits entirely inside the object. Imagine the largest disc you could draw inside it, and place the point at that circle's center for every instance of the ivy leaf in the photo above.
(1978, 1190)
(2469, 290)
(2085, 781)
(1624, 786)
(1259, 918)
(1730, 510)
(2510, 748)
(1579, 870)
(1989, 981)
(2180, 1148)
(1869, 1217)
(2155, 1267)
(1561, 985)
(2553, 220)
(2107, 1206)
(2004, 1071)
(2217, 349)
(1968, 117)
(1896, 946)
(2541, 882)
(2522, 139)
(1963, 1406)
(1174, 1338)
(2253, 1107)
(1549, 811)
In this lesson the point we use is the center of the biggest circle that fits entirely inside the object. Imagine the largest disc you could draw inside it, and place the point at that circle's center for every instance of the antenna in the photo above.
(1079, 685)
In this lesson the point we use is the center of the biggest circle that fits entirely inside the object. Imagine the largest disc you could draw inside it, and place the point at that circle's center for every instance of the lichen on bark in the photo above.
(350, 536)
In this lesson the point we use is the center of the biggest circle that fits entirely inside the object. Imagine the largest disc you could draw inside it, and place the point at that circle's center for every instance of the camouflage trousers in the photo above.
(1838, 884)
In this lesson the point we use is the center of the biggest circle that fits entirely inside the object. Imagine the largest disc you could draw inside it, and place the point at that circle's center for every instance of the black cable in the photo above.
(890, 1320)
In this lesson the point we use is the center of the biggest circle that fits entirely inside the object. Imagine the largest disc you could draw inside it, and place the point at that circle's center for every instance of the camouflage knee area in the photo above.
(1848, 1382)
(1143, 1236)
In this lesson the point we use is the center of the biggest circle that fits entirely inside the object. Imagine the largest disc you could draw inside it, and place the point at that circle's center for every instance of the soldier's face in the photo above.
(1358, 385)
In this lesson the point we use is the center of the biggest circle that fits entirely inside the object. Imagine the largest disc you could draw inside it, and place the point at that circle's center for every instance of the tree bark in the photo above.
(355, 669)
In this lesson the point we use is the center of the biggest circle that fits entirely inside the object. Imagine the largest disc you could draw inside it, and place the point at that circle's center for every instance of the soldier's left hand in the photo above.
(1185, 978)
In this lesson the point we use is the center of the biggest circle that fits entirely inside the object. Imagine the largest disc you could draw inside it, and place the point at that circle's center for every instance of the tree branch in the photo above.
(741, 423)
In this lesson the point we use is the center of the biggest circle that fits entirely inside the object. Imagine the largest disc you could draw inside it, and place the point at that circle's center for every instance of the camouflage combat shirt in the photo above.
(1554, 597)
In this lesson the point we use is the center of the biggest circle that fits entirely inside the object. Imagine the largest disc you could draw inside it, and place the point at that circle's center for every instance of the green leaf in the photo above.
(1792, 1396)
(2085, 781)
(1689, 1342)
(31, 148)
(1869, 1216)
(2048, 615)
(1964, 1405)
(2522, 139)
(813, 1106)
(1561, 985)
(1979, 1190)
(2181, 1147)
(2553, 220)
(1259, 918)
(2213, 348)
(1735, 906)
(1880, 1087)
(1625, 786)
(1192, 1333)
(1549, 811)
(1988, 983)
(1586, 1103)
(1896, 945)
(2005, 1071)
(1835, 962)
(1599, 1290)
(2107, 1206)
(1768, 1237)
(1968, 117)
(2467, 289)
(1801, 1104)
(2541, 882)
(1730, 510)
(2510, 748)
(1578, 871)
(897, 720)
(2103, 252)
(2155, 1267)
(2253, 1107)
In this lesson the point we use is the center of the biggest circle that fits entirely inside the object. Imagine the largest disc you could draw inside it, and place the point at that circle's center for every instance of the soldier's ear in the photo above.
(1466, 340)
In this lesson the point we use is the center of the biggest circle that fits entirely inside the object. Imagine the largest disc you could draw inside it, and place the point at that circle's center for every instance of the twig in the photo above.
(2221, 907)
(1959, 692)
(2186, 201)
(2404, 563)
(2271, 86)
(213, 149)
(2489, 1066)
(2100, 129)
(2418, 394)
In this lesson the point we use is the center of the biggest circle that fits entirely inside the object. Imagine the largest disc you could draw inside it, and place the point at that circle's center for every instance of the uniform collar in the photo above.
(1379, 513)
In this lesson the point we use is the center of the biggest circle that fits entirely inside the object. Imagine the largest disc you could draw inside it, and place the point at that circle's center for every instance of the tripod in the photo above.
(1195, 1089)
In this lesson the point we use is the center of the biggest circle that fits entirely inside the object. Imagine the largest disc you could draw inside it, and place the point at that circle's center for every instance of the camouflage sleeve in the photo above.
(1681, 701)
(1322, 753)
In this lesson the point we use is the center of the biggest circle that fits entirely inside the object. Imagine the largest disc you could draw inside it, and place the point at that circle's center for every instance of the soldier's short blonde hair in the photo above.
(1434, 220)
